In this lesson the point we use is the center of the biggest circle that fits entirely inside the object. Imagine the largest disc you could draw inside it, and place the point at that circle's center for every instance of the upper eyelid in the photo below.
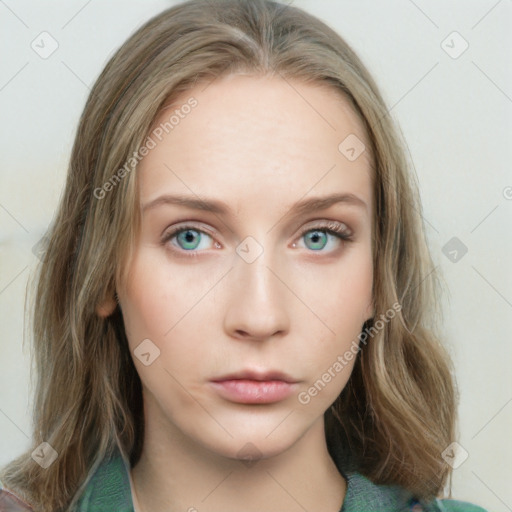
(324, 224)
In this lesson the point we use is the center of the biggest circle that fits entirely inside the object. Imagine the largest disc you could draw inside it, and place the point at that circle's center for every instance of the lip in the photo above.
(255, 387)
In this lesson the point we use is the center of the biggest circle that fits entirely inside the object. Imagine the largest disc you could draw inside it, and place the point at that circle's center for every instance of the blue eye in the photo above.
(318, 237)
(187, 238)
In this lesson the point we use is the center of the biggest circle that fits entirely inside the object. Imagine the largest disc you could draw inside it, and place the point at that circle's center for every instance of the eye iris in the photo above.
(187, 238)
(315, 239)
(314, 236)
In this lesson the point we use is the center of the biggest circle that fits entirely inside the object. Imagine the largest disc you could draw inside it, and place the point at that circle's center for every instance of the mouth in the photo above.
(252, 387)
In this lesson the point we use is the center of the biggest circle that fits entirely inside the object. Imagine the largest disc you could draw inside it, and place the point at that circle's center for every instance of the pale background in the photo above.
(455, 112)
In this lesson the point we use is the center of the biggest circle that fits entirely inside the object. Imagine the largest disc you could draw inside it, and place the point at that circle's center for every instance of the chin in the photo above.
(251, 444)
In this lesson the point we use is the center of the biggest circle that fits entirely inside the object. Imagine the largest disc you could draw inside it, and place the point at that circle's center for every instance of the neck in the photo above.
(181, 476)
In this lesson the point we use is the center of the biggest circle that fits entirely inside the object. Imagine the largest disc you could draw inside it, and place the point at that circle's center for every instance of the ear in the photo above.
(106, 308)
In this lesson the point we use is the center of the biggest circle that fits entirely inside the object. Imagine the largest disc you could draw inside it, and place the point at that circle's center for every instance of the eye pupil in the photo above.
(190, 236)
(317, 237)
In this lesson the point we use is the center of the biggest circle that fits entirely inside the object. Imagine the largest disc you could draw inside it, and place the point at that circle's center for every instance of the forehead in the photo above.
(250, 135)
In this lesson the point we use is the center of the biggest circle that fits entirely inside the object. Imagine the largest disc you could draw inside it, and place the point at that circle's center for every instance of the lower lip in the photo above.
(253, 391)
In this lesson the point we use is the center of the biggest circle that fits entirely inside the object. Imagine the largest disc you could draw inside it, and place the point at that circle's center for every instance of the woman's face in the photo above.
(240, 308)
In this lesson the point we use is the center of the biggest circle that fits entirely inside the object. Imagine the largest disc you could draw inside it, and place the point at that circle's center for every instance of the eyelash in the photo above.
(337, 229)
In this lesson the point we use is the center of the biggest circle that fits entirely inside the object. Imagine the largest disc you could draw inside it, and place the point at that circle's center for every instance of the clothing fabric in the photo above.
(9, 502)
(109, 490)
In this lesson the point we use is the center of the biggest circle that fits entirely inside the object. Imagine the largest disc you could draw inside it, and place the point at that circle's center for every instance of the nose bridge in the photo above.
(257, 302)
(251, 269)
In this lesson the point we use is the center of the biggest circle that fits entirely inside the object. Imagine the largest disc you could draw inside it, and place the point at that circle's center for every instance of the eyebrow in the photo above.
(213, 205)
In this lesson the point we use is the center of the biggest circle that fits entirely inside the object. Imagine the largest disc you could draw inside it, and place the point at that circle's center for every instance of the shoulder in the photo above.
(363, 494)
(108, 488)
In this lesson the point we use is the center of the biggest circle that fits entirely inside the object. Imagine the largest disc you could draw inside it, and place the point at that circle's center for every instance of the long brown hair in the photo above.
(398, 411)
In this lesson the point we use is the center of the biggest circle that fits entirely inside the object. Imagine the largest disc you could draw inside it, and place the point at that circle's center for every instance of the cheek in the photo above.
(143, 310)
(344, 298)
(155, 311)
(157, 297)
(352, 294)
(341, 293)
(162, 304)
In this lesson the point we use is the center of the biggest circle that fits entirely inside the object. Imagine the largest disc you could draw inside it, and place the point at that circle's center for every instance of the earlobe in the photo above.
(106, 308)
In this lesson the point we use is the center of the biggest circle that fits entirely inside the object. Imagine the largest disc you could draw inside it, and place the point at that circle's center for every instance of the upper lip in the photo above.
(259, 375)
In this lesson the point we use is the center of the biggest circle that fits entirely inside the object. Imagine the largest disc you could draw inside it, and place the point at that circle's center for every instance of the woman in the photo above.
(234, 308)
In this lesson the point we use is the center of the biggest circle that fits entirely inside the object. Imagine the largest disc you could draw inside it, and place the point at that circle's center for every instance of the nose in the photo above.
(257, 299)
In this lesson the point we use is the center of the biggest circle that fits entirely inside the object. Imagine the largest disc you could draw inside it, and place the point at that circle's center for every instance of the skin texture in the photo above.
(259, 144)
